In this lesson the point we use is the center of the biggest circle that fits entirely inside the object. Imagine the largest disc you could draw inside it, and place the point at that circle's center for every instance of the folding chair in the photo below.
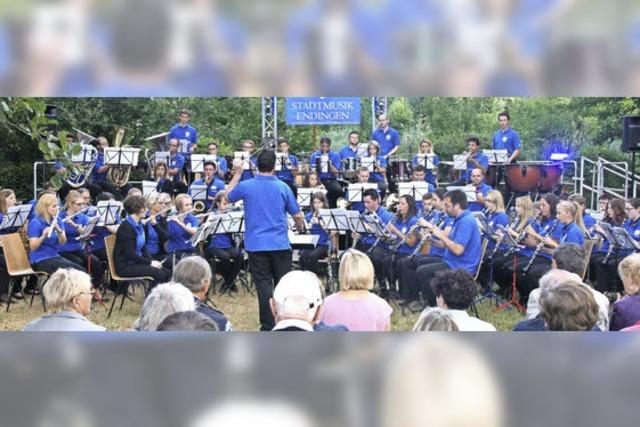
(15, 255)
(589, 244)
(123, 282)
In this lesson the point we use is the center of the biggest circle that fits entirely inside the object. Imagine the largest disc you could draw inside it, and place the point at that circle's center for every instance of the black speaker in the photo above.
(630, 133)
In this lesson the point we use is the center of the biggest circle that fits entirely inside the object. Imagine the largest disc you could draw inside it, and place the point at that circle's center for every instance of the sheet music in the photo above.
(324, 163)
(469, 191)
(334, 219)
(281, 161)
(426, 160)
(356, 223)
(148, 187)
(355, 191)
(198, 160)
(362, 150)
(121, 156)
(368, 162)
(198, 191)
(16, 216)
(415, 189)
(109, 211)
(244, 157)
(309, 240)
(304, 195)
(85, 155)
(460, 161)
(496, 156)
(161, 157)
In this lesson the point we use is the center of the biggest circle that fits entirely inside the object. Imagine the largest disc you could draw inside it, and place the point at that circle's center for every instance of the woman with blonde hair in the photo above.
(68, 295)
(182, 226)
(355, 306)
(431, 175)
(626, 311)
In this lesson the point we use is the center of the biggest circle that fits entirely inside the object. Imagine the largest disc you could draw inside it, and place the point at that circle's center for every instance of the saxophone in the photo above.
(119, 175)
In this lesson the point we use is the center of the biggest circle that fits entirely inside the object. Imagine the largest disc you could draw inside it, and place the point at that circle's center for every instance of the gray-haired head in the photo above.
(193, 273)
(185, 321)
(163, 301)
(556, 276)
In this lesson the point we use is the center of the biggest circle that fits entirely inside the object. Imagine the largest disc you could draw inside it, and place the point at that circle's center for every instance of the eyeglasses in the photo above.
(89, 292)
(628, 209)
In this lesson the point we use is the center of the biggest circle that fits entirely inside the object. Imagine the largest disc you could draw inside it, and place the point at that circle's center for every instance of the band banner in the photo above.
(322, 111)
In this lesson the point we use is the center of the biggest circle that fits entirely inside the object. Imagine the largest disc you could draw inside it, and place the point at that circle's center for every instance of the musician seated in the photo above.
(312, 180)
(46, 236)
(7, 201)
(587, 219)
(248, 147)
(182, 226)
(309, 257)
(100, 173)
(176, 165)
(362, 178)
(379, 173)
(223, 249)
(419, 176)
(161, 176)
(495, 216)
(404, 227)
(73, 180)
(477, 180)
(475, 160)
(431, 175)
(427, 209)
(462, 247)
(130, 254)
(96, 243)
(156, 228)
(213, 183)
(221, 162)
(367, 242)
(327, 165)
(75, 222)
(290, 168)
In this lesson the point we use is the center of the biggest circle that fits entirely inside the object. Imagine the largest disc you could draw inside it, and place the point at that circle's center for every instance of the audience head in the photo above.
(629, 271)
(571, 258)
(194, 273)
(568, 306)
(68, 290)
(356, 271)
(163, 301)
(435, 319)
(297, 296)
(187, 321)
(557, 276)
(454, 289)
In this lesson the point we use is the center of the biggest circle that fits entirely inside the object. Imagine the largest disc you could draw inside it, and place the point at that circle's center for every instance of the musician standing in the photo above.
(186, 135)
(248, 146)
(211, 180)
(176, 165)
(267, 201)
(506, 138)
(328, 176)
(290, 168)
(386, 136)
(475, 160)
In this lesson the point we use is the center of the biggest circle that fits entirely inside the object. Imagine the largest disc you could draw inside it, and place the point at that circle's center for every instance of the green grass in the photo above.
(242, 310)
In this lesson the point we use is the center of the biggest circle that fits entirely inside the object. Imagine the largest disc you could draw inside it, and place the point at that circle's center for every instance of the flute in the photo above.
(70, 217)
(54, 224)
(144, 221)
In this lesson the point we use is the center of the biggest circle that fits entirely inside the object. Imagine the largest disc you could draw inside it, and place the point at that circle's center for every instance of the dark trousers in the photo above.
(407, 274)
(606, 274)
(180, 188)
(309, 257)
(4, 275)
(159, 275)
(51, 265)
(391, 266)
(377, 256)
(425, 273)
(382, 187)
(227, 262)
(87, 262)
(165, 259)
(267, 268)
(334, 191)
(525, 281)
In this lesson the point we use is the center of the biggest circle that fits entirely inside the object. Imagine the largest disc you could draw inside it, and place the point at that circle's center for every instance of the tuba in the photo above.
(119, 175)
(83, 166)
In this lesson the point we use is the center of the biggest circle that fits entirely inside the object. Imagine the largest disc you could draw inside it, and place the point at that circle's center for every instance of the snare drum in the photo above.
(349, 167)
(400, 170)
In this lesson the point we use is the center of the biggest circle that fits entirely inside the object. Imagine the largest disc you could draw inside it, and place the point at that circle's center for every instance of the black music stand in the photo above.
(334, 219)
(355, 192)
(507, 239)
(233, 222)
(498, 157)
(415, 189)
(356, 223)
(16, 216)
(159, 141)
(244, 157)
(513, 301)
(109, 212)
(198, 160)
(426, 160)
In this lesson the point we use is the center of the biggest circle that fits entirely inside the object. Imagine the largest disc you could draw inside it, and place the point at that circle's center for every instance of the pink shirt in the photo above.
(369, 313)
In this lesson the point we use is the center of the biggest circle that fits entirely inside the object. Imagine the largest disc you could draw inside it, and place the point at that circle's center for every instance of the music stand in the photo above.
(355, 192)
(148, 187)
(281, 161)
(368, 162)
(460, 162)
(333, 219)
(362, 150)
(626, 240)
(109, 212)
(184, 146)
(89, 228)
(305, 194)
(415, 189)
(121, 156)
(233, 222)
(16, 216)
(496, 156)
(207, 228)
(244, 157)
(83, 137)
(303, 239)
(322, 164)
(198, 160)
(426, 160)
(198, 191)
(468, 190)
(159, 141)
(161, 157)
(356, 223)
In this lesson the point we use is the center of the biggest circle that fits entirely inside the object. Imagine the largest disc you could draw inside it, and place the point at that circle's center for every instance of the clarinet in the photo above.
(539, 247)
(378, 221)
(425, 237)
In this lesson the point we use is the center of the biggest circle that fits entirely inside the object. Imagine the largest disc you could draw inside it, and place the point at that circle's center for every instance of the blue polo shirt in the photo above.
(429, 176)
(95, 176)
(160, 184)
(179, 239)
(222, 241)
(184, 134)
(73, 244)
(376, 176)
(347, 152)
(446, 222)
(404, 227)
(588, 220)
(286, 174)
(465, 232)
(140, 237)
(368, 238)
(248, 174)
(495, 219)
(507, 139)
(222, 164)
(571, 233)
(482, 159)
(316, 229)
(388, 139)
(49, 247)
(482, 189)
(633, 228)
(334, 159)
(176, 162)
(216, 185)
(267, 200)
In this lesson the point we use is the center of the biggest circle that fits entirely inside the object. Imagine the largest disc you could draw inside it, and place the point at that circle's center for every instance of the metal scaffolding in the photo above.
(269, 117)
(378, 106)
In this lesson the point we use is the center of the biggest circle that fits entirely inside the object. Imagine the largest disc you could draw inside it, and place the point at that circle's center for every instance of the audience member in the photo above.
(163, 301)
(188, 321)
(296, 301)
(435, 319)
(626, 311)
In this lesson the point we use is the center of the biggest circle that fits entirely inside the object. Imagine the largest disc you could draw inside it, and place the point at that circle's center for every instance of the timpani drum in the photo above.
(531, 177)
(400, 170)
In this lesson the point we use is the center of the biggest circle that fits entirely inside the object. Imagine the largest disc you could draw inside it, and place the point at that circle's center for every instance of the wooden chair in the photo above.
(109, 243)
(18, 264)
(589, 244)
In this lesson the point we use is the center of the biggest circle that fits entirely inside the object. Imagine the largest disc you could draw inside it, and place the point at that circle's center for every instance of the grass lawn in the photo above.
(242, 310)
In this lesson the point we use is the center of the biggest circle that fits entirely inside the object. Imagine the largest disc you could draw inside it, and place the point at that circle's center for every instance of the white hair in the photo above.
(556, 276)
(163, 301)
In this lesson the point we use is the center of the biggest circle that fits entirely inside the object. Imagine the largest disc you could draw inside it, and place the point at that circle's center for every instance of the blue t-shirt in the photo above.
(633, 228)
(429, 176)
(176, 162)
(482, 189)
(179, 238)
(222, 164)
(376, 176)
(347, 152)
(73, 244)
(506, 140)
(404, 227)
(388, 139)
(95, 175)
(222, 241)
(49, 247)
(140, 237)
(213, 187)
(446, 222)
(248, 173)
(153, 240)
(495, 219)
(482, 159)
(571, 233)
(334, 159)
(286, 174)
(465, 232)
(368, 238)
(183, 134)
(267, 200)
(316, 229)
